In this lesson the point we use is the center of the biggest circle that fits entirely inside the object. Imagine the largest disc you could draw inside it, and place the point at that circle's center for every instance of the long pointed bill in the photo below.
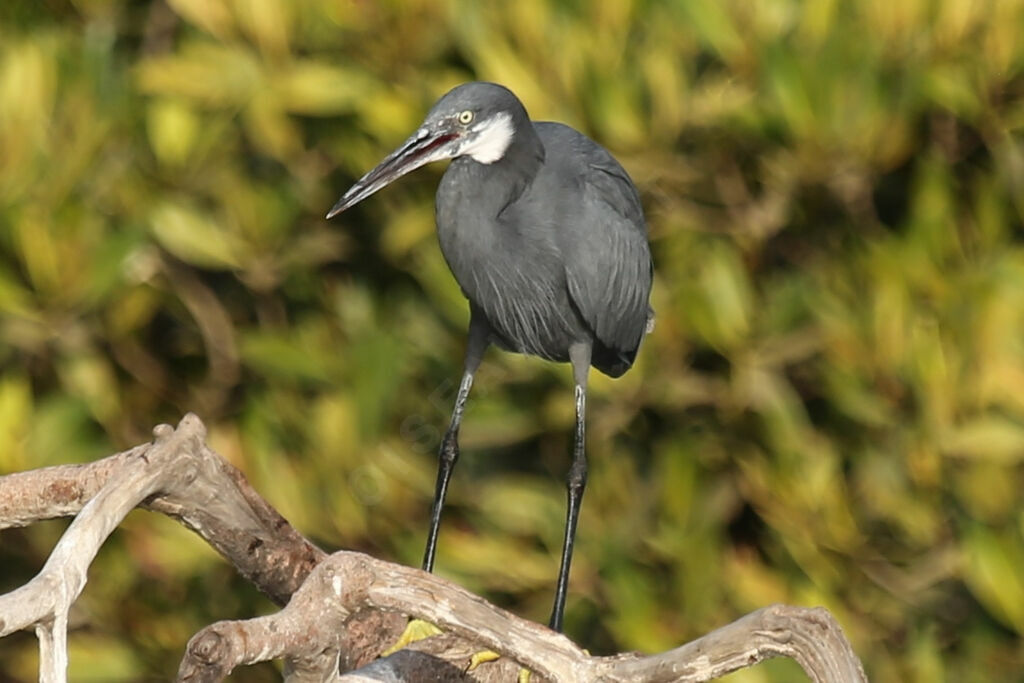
(421, 148)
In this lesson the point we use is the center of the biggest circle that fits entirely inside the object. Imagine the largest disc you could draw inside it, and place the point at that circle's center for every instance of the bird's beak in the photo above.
(422, 147)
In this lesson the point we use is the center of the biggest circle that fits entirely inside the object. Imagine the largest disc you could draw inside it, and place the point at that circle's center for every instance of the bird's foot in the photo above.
(482, 657)
(485, 656)
(417, 629)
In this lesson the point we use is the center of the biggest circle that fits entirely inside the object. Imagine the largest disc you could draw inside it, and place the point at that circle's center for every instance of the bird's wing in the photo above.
(607, 258)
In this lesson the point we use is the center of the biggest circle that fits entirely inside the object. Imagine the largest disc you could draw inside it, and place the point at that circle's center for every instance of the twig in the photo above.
(811, 636)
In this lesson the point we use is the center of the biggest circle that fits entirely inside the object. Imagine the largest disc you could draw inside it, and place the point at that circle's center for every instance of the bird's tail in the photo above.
(615, 362)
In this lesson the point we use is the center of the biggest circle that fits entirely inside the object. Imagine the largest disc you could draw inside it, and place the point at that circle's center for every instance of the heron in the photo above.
(545, 234)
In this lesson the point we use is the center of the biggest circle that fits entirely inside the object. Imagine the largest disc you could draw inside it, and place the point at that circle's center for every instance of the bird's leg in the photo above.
(449, 452)
(576, 481)
(418, 629)
(447, 458)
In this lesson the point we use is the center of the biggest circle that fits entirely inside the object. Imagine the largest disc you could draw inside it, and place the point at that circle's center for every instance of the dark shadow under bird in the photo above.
(544, 232)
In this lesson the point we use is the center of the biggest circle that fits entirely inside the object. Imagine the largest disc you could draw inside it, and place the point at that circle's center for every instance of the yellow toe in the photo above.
(417, 629)
(482, 657)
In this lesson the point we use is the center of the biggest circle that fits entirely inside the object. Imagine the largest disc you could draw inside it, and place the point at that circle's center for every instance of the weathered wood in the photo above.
(340, 611)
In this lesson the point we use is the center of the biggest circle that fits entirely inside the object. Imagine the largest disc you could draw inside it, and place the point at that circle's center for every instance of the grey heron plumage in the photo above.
(544, 232)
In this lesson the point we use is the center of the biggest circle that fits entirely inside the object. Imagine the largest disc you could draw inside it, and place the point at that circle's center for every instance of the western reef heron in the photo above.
(544, 232)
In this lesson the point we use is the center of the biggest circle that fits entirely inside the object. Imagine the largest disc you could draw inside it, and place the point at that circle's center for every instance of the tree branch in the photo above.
(341, 610)
(347, 581)
(200, 489)
(44, 601)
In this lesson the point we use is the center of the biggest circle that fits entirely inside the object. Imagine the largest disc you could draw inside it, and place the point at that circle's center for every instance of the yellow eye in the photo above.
(465, 117)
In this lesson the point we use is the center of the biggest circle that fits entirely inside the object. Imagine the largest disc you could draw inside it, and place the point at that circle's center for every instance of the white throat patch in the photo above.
(490, 139)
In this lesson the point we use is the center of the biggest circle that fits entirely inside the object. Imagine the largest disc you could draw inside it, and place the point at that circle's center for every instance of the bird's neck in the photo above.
(524, 155)
(472, 197)
(498, 184)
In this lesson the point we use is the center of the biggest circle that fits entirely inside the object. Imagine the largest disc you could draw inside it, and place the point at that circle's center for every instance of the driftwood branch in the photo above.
(346, 582)
(340, 611)
(195, 486)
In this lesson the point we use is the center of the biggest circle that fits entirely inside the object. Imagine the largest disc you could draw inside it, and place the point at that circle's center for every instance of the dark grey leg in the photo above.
(449, 454)
(576, 481)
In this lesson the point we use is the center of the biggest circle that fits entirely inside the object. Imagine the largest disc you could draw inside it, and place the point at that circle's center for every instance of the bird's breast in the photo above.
(510, 272)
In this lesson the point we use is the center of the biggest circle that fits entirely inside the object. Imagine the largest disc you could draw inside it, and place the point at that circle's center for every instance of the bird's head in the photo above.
(477, 120)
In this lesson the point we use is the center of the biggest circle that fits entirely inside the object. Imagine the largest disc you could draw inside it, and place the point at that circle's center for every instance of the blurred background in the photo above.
(829, 412)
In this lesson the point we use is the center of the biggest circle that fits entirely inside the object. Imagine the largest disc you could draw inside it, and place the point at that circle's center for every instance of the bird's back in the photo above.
(603, 245)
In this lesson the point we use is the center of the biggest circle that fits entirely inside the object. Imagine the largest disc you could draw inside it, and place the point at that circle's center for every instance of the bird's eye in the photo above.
(465, 117)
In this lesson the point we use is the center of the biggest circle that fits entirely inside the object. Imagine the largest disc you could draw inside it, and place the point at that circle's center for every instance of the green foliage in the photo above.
(830, 411)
